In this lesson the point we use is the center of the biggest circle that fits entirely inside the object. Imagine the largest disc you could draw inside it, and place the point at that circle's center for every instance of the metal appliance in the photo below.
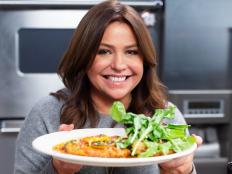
(34, 35)
(197, 70)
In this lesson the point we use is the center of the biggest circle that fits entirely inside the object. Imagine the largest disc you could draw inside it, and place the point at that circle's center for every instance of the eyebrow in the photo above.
(111, 46)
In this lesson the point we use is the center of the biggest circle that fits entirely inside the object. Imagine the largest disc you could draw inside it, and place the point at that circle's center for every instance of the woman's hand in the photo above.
(183, 165)
(63, 167)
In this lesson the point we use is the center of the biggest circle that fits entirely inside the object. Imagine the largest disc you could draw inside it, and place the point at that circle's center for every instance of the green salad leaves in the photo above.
(149, 136)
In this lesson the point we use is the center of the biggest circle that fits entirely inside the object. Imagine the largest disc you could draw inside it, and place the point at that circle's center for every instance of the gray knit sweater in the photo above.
(44, 118)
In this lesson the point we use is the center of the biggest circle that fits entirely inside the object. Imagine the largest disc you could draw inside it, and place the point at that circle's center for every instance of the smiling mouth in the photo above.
(116, 78)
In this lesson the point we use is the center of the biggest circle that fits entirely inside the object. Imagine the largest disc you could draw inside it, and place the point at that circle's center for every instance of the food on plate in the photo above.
(145, 136)
(95, 146)
(158, 137)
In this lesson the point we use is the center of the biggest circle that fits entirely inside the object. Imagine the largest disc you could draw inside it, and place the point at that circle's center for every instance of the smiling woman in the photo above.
(114, 53)
(117, 67)
(111, 58)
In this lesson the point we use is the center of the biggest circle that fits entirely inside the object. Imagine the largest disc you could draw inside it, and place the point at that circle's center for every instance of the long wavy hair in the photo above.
(78, 106)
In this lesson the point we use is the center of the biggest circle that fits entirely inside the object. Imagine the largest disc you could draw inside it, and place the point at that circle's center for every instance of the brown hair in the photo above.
(78, 107)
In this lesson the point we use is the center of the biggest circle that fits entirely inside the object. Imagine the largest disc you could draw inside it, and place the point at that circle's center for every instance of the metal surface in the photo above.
(211, 150)
(213, 155)
(179, 97)
(7, 150)
(73, 3)
(20, 91)
(11, 126)
(208, 92)
(211, 165)
(202, 109)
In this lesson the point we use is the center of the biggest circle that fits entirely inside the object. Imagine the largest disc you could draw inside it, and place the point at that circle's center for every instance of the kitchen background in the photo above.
(194, 43)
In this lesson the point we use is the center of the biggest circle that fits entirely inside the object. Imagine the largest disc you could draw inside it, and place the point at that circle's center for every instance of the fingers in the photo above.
(65, 168)
(177, 166)
(199, 140)
(66, 127)
(180, 165)
(178, 162)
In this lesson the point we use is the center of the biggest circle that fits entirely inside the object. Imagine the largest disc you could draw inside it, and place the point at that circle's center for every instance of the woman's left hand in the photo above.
(182, 165)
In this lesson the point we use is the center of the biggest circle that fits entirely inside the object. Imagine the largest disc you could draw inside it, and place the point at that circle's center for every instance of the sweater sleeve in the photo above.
(37, 123)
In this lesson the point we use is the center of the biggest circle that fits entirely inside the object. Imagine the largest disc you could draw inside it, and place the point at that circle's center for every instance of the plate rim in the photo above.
(100, 161)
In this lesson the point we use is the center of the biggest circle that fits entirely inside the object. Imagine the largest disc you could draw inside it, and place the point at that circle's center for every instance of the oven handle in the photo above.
(10, 130)
(57, 3)
(10, 126)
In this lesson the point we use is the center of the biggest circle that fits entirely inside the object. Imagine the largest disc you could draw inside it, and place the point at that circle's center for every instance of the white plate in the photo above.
(46, 142)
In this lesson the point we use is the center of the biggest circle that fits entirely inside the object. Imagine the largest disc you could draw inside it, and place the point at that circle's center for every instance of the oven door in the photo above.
(32, 42)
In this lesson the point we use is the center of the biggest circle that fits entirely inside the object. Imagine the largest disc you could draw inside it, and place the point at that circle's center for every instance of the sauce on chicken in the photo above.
(94, 146)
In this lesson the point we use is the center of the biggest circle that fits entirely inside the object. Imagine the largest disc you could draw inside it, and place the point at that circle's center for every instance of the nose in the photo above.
(119, 62)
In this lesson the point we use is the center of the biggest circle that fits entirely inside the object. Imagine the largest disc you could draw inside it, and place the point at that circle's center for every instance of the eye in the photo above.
(103, 51)
(132, 52)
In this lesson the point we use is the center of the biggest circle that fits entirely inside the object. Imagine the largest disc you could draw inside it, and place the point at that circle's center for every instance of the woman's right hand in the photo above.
(63, 167)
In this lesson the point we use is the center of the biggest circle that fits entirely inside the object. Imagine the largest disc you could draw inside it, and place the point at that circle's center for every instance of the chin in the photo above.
(118, 97)
(117, 94)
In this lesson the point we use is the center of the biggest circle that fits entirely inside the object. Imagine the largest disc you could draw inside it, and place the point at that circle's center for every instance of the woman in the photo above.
(111, 57)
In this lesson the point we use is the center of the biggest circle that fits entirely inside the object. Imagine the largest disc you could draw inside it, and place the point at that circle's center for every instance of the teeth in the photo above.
(117, 79)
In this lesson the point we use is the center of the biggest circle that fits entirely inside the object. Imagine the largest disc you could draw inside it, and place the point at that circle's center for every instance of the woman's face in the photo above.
(118, 65)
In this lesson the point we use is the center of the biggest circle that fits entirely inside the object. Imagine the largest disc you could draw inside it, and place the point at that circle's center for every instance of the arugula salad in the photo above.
(150, 136)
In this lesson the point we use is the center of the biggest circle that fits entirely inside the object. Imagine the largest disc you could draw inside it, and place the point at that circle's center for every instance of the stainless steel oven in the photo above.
(34, 36)
(197, 70)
